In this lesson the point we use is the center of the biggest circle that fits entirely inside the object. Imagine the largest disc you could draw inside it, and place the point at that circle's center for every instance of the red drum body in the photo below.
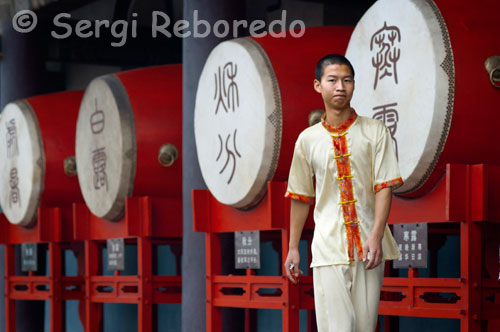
(420, 67)
(36, 136)
(129, 134)
(253, 99)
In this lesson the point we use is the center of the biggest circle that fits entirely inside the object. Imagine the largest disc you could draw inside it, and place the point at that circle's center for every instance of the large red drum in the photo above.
(253, 99)
(37, 135)
(420, 67)
(129, 133)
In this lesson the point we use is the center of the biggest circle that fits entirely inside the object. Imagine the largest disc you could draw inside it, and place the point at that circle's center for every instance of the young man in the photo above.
(352, 162)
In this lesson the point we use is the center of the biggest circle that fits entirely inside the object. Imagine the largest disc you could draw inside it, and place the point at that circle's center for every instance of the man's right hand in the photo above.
(292, 260)
(298, 215)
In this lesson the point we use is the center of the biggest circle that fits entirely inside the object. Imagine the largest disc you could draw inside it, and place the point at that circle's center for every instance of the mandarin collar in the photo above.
(343, 127)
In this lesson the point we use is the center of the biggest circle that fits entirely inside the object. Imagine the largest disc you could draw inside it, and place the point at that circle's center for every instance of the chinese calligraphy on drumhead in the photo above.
(388, 115)
(99, 157)
(384, 42)
(227, 96)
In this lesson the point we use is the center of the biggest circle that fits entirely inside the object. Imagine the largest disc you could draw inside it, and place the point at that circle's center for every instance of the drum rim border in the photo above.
(448, 66)
(275, 118)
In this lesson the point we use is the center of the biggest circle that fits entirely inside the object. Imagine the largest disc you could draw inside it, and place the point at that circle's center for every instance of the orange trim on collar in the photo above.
(343, 127)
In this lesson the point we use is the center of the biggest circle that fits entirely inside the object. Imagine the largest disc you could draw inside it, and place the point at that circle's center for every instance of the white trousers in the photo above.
(347, 297)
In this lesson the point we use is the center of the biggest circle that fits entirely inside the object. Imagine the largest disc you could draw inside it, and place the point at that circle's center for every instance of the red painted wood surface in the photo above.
(147, 222)
(57, 114)
(155, 94)
(475, 104)
(54, 287)
(460, 204)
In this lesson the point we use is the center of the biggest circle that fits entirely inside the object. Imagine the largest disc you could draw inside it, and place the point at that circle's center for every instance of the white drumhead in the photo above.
(22, 163)
(404, 68)
(237, 122)
(106, 147)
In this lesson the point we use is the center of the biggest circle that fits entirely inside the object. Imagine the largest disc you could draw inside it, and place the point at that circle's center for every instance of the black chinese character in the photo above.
(226, 89)
(12, 149)
(99, 164)
(97, 120)
(14, 194)
(230, 154)
(389, 115)
(387, 54)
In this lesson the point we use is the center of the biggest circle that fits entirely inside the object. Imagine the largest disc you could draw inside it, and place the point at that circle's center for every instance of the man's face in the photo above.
(336, 86)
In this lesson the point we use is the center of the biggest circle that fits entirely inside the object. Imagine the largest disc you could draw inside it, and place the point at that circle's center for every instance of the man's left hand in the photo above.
(374, 247)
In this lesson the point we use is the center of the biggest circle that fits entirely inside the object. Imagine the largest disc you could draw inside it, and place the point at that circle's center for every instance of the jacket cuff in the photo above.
(395, 183)
(306, 199)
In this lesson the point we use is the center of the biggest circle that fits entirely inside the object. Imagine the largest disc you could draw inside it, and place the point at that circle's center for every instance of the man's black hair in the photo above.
(331, 59)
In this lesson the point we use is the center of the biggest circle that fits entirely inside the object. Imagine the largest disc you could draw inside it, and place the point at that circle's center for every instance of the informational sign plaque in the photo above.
(29, 257)
(412, 242)
(116, 254)
(247, 250)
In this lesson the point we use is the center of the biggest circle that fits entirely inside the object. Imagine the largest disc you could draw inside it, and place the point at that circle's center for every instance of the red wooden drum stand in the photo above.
(54, 287)
(467, 200)
(271, 217)
(148, 221)
(464, 202)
